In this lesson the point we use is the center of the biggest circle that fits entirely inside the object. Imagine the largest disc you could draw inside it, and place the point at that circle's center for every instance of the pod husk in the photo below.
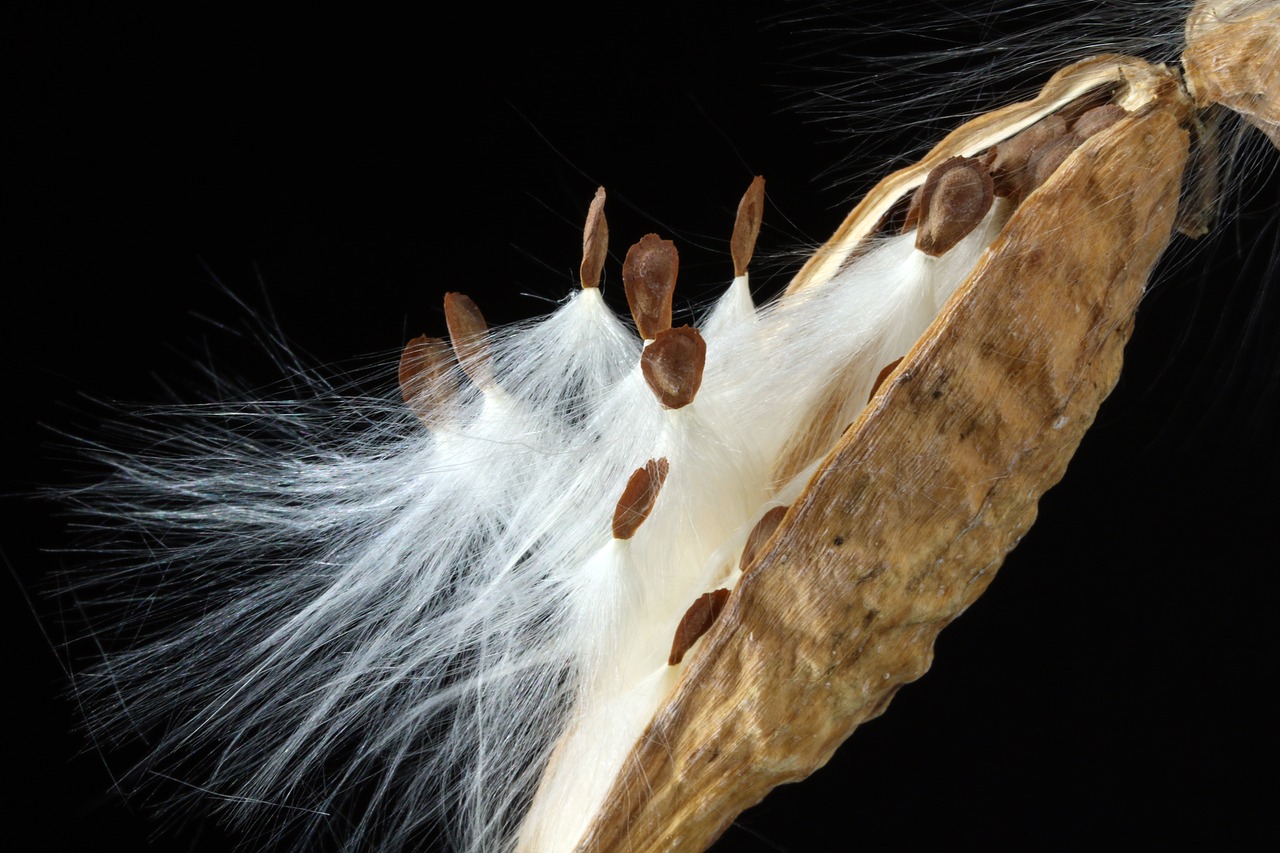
(913, 511)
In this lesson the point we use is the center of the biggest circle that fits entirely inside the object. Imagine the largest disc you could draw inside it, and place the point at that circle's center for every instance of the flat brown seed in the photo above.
(697, 620)
(672, 366)
(469, 335)
(1009, 167)
(746, 227)
(1047, 159)
(595, 242)
(912, 219)
(1097, 119)
(649, 277)
(427, 382)
(638, 498)
(882, 376)
(760, 535)
(953, 200)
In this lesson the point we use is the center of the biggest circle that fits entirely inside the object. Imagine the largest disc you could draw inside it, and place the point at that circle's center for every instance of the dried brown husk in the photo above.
(1233, 59)
(915, 508)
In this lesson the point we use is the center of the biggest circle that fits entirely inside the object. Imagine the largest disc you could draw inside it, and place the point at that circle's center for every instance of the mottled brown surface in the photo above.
(1096, 120)
(759, 535)
(595, 242)
(746, 226)
(1012, 166)
(649, 278)
(954, 199)
(638, 497)
(915, 509)
(672, 366)
(697, 620)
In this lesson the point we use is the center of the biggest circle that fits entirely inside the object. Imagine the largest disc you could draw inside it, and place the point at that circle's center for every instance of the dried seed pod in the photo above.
(649, 276)
(426, 377)
(697, 620)
(953, 201)
(672, 366)
(915, 506)
(595, 242)
(469, 336)
(746, 226)
(639, 497)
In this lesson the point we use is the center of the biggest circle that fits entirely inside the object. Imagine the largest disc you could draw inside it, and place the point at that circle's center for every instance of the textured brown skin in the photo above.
(595, 242)
(697, 620)
(952, 201)
(672, 366)
(760, 534)
(649, 277)
(638, 497)
(916, 507)
(746, 226)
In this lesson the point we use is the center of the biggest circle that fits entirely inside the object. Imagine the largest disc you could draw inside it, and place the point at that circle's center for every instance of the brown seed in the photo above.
(638, 498)
(1010, 167)
(1097, 119)
(953, 200)
(469, 335)
(649, 277)
(760, 535)
(672, 366)
(1047, 159)
(746, 227)
(595, 242)
(883, 375)
(427, 381)
(697, 620)
(912, 219)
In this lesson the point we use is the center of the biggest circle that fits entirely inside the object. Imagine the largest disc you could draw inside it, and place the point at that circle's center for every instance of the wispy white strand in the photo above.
(416, 613)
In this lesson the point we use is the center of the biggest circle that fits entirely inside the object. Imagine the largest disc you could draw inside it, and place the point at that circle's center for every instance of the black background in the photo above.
(344, 170)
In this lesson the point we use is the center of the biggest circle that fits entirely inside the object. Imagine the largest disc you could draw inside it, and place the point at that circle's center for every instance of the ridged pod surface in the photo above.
(913, 511)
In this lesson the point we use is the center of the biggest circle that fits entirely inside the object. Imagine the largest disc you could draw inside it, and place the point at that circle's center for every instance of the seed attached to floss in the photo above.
(954, 199)
(882, 376)
(427, 382)
(469, 335)
(746, 227)
(595, 242)
(760, 535)
(697, 620)
(638, 498)
(672, 366)
(649, 277)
